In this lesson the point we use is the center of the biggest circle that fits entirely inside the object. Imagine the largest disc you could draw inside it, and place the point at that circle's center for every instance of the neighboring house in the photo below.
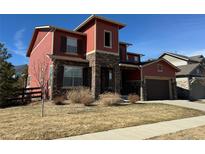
(191, 78)
(91, 55)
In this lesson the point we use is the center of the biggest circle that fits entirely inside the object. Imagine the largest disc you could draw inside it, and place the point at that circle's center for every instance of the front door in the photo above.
(106, 79)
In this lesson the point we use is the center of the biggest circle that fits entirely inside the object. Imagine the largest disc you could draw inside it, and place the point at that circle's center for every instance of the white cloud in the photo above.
(20, 48)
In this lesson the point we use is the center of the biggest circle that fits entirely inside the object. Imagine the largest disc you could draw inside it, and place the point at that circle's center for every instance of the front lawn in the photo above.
(62, 121)
(197, 133)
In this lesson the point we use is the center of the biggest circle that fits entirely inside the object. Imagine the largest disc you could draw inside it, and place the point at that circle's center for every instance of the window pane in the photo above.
(67, 81)
(72, 45)
(78, 81)
(73, 76)
(72, 42)
(67, 71)
(107, 39)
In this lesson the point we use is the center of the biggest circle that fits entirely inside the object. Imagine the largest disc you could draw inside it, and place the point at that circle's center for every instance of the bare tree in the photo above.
(40, 73)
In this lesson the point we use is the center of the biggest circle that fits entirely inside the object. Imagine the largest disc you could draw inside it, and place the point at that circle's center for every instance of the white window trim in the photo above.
(106, 31)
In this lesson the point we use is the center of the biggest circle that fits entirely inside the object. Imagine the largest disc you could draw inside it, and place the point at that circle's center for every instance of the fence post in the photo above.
(23, 96)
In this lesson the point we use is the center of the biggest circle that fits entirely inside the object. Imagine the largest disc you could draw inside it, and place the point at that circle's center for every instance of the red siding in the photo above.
(100, 28)
(40, 36)
(151, 70)
(89, 30)
(123, 50)
(133, 74)
(38, 55)
(57, 43)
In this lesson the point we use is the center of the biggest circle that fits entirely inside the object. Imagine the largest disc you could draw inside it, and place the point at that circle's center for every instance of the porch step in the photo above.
(125, 99)
(124, 96)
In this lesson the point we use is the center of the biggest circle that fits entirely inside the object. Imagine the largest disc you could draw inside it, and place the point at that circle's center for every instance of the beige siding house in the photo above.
(191, 78)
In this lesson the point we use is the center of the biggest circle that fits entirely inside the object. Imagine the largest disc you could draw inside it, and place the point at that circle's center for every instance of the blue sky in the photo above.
(150, 35)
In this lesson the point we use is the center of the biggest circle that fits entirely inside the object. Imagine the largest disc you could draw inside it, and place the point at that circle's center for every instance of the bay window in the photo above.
(73, 76)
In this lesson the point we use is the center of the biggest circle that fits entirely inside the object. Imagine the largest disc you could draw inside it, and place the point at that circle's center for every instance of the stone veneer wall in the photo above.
(174, 88)
(98, 60)
(183, 88)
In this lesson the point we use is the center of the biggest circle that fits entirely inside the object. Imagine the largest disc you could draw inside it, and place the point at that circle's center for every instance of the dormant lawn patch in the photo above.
(60, 121)
(197, 133)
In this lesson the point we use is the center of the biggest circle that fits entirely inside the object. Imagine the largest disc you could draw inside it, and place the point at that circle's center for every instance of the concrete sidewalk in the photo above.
(182, 103)
(144, 131)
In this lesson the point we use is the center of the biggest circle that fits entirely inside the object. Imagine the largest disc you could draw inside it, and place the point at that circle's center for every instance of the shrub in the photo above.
(80, 95)
(110, 99)
(133, 98)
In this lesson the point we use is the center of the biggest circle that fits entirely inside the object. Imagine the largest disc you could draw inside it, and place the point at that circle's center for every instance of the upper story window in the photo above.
(136, 59)
(107, 39)
(133, 59)
(71, 45)
(159, 68)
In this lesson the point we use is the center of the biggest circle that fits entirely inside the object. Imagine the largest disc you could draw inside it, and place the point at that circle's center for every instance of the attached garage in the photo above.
(159, 81)
(158, 89)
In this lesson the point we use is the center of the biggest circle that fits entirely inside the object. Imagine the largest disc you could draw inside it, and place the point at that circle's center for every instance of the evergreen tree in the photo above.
(8, 83)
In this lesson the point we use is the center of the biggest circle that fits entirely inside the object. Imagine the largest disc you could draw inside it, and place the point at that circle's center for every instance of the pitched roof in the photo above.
(175, 55)
(125, 43)
(92, 17)
(197, 58)
(187, 69)
(134, 53)
(58, 28)
(51, 28)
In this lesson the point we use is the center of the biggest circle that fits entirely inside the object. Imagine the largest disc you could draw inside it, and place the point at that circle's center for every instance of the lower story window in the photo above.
(73, 76)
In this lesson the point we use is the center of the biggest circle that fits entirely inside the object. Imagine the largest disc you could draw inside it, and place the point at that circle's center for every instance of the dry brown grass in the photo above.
(197, 133)
(80, 95)
(26, 123)
(133, 98)
(109, 99)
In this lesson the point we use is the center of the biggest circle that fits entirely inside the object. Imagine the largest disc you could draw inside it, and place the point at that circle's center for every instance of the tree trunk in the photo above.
(42, 102)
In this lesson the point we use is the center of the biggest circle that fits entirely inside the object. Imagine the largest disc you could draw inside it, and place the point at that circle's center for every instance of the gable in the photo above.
(175, 61)
(152, 69)
(39, 37)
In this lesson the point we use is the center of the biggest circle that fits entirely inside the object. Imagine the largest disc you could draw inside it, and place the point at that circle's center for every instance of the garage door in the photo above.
(157, 89)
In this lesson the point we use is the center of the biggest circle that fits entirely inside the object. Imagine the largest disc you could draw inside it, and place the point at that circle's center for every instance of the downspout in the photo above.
(141, 84)
(51, 90)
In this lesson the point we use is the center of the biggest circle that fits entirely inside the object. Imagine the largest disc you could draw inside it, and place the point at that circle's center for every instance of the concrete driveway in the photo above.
(183, 103)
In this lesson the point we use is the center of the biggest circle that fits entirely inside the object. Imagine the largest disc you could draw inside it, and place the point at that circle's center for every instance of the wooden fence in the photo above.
(26, 94)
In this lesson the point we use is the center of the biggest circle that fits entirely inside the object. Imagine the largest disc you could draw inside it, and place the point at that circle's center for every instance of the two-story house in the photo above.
(91, 55)
(191, 78)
